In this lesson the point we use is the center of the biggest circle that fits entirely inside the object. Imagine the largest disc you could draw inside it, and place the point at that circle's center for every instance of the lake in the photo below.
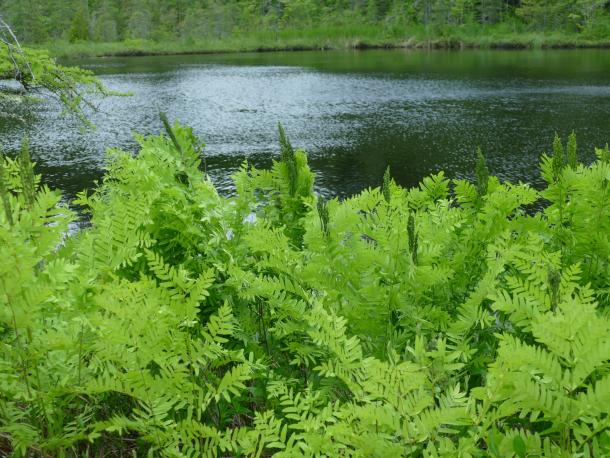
(354, 112)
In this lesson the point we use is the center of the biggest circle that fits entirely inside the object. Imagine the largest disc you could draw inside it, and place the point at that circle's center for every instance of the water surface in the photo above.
(355, 112)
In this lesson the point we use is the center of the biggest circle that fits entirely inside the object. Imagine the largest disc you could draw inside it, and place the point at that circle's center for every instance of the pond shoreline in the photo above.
(149, 48)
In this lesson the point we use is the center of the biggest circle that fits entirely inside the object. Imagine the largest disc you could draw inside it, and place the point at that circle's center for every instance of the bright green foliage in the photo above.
(79, 29)
(163, 20)
(75, 88)
(552, 368)
(571, 151)
(482, 173)
(443, 320)
(559, 159)
(283, 195)
(385, 186)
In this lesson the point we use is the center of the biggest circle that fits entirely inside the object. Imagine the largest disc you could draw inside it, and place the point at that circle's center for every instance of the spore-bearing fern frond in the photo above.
(288, 159)
(323, 214)
(482, 173)
(4, 191)
(26, 174)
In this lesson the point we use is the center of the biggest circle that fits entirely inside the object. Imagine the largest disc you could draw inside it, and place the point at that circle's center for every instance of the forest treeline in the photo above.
(117, 20)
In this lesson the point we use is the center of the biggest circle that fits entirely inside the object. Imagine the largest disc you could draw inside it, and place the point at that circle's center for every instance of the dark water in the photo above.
(354, 112)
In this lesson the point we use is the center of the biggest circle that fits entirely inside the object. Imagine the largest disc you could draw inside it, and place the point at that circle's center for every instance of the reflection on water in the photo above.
(354, 112)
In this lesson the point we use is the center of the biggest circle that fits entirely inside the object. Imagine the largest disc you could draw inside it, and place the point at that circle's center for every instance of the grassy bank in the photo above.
(505, 36)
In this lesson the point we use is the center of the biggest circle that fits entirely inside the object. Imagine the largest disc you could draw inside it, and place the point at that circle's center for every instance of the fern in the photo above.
(444, 320)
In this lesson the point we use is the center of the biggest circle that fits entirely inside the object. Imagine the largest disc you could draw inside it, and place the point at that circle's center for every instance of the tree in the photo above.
(27, 19)
(36, 72)
(108, 20)
(140, 21)
(79, 31)
(489, 11)
(588, 10)
(104, 23)
(544, 14)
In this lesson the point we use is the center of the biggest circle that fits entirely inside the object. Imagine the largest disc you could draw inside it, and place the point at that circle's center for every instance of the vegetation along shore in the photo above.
(456, 318)
(342, 40)
(400, 322)
(77, 28)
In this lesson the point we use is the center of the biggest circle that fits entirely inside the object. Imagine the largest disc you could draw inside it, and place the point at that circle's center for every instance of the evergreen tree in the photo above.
(80, 24)
(140, 23)
(104, 24)
(544, 14)
(589, 10)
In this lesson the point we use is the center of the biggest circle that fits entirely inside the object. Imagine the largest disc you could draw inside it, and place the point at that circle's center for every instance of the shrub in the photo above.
(445, 320)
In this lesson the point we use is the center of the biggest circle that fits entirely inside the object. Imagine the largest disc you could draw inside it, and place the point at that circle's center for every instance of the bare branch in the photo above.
(12, 44)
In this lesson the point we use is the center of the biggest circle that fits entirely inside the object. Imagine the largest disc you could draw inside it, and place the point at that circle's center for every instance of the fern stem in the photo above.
(148, 399)
(45, 426)
(26, 367)
(263, 327)
(287, 157)
(170, 132)
(80, 351)
(26, 174)
(599, 221)
(4, 193)
(413, 237)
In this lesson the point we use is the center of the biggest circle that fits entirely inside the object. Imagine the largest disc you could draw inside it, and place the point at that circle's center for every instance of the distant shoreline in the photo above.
(135, 48)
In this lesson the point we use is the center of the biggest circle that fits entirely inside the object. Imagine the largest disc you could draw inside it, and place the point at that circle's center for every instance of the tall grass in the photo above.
(344, 36)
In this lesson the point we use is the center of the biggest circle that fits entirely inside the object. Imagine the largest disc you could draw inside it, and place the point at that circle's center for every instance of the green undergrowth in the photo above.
(444, 320)
(341, 37)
